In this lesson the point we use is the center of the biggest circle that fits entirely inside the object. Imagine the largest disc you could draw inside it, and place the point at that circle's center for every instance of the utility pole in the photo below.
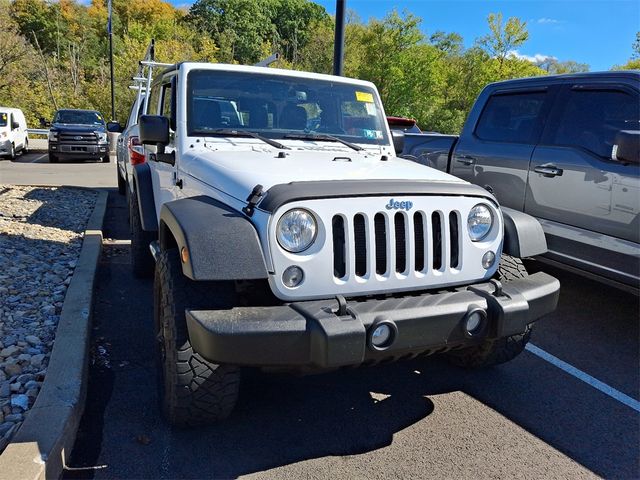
(113, 92)
(338, 44)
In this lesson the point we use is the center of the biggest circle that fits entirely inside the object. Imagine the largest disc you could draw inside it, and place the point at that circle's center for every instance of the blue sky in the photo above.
(599, 33)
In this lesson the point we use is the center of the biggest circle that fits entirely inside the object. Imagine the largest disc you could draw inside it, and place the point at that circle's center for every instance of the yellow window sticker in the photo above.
(364, 97)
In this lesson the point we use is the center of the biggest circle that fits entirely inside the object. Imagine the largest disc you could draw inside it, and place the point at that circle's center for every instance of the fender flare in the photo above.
(144, 192)
(523, 234)
(221, 243)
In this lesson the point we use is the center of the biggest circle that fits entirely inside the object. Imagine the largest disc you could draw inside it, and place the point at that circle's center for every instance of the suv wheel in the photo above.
(141, 259)
(122, 185)
(500, 350)
(191, 390)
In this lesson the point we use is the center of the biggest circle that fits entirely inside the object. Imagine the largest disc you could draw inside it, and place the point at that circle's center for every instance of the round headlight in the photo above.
(296, 230)
(479, 222)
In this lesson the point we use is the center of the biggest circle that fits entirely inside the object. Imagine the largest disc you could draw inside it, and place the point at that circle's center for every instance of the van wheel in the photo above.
(12, 152)
(25, 148)
(141, 260)
(500, 350)
(192, 391)
(122, 185)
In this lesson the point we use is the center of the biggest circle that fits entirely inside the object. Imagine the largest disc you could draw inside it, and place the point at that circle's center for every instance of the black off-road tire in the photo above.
(106, 159)
(192, 391)
(501, 350)
(122, 185)
(142, 262)
(53, 158)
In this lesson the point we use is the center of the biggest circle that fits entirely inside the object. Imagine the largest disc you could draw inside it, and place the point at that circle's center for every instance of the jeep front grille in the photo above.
(383, 244)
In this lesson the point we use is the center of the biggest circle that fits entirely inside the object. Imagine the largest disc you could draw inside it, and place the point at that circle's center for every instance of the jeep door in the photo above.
(588, 203)
(162, 102)
(496, 144)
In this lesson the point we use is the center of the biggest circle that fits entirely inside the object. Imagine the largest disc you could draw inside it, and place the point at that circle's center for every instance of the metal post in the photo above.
(338, 45)
(113, 91)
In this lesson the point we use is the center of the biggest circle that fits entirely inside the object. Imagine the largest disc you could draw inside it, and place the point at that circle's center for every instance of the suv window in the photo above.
(591, 118)
(511, 118)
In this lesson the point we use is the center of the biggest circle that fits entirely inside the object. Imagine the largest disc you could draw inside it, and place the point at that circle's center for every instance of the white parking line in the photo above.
(38, 158)
(585, 377)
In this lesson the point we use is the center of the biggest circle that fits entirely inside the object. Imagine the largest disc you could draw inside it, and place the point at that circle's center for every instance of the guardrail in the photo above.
(38, 138)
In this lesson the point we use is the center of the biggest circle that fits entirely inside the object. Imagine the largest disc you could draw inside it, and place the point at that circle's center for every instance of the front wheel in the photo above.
(53, 158)
(106, 159)
(192, 391)
(12, 152)
(25, 148)
(500, 350)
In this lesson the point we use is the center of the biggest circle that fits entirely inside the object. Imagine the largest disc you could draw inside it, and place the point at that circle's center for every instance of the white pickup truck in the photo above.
(288, 235)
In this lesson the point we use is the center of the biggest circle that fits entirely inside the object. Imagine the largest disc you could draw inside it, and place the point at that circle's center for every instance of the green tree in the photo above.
(503, 38)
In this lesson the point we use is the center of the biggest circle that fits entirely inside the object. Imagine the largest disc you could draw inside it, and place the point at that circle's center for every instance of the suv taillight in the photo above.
(136, 151)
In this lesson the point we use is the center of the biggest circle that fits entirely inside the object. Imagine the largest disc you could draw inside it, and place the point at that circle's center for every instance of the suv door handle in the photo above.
(548, 170)
(466, 159)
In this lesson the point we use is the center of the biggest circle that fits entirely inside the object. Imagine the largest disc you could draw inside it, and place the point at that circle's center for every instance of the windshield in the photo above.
(3, 119)
(277, 106)
(78, 117)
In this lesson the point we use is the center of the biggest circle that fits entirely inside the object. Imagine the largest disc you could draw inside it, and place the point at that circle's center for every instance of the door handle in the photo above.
(466, 159)
(548, 170)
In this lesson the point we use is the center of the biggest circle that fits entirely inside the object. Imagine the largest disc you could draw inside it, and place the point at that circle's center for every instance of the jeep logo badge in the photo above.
(393, 205)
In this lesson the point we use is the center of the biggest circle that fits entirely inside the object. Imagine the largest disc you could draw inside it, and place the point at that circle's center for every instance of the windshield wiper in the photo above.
(229, 132)
(323, 136)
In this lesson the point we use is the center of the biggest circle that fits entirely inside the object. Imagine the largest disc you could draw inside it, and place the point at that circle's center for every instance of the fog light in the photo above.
(292, 276)
(488, 259)
(475, 321)
(382, 334)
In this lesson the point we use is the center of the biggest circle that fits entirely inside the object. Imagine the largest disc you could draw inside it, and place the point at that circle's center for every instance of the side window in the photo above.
(153, 101)
(512, 118)
(167, 106)
(591, 118)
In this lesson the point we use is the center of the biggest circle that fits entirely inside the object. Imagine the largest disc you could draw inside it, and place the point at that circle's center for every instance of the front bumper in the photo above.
(5, 146)
(313, 335)
(80, 150)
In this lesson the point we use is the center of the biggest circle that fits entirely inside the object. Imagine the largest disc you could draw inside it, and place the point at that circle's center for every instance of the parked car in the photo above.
(565, 150)
(13, 132)
(284, 248)
(129, 151)
(78, 134)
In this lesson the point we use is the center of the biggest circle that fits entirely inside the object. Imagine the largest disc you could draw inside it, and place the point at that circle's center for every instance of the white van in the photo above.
(13, 132)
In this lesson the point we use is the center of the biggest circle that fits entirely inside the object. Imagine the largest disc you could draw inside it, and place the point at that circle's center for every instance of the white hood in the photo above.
(238, 169)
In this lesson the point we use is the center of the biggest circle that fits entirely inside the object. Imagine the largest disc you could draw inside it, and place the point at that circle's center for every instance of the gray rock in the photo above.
(14, 417)
(13, 369)
(33, 340)
(8, 351)
(24, 357)
(36, 360)
(5, 389)
(15, 387)
(26, 377)
(5, 427)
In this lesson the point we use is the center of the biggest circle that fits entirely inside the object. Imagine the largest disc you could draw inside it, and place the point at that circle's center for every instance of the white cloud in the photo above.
(537, 58)
(548, 21)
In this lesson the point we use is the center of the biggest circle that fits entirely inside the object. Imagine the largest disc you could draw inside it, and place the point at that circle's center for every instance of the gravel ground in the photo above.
(40, 239)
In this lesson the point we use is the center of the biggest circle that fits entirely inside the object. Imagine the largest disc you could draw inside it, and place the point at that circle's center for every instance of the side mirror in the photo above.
(398, 141)
(44, 123)
(626, 147)
(154, 130)
(114, 127)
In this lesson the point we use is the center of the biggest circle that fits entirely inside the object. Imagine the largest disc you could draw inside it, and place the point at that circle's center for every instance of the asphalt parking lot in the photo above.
(527, 419)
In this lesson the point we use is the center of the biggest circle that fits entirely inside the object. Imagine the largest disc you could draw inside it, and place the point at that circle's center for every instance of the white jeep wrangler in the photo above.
(287, 234)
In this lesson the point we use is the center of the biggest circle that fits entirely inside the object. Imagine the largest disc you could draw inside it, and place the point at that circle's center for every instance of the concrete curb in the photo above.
(42, 445)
